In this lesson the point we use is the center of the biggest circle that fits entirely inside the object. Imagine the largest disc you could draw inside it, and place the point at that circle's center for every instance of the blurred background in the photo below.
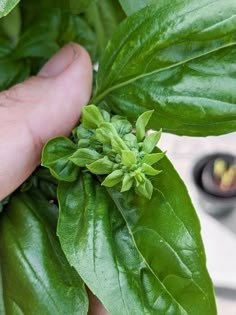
(218, 230)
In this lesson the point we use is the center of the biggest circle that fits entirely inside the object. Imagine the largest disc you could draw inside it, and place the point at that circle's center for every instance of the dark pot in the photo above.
(213, 200)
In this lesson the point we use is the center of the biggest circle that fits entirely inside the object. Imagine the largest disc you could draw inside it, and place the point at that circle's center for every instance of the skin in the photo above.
(38, 109)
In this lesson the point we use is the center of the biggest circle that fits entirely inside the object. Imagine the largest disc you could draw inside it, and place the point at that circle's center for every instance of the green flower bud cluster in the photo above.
(108, 145)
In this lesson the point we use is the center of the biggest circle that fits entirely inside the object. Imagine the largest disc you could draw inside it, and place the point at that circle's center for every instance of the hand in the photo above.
(42, 107)
(38, 109)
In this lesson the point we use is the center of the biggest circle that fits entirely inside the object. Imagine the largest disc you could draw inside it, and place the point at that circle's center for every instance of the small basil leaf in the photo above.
(145, 189)
(128, 158)
(151, 141)
(149, 170)
(84, 156)
(113, 179)
(153, 158)
(142, 123)
(127, 183)
(118, 144)
(131, 141)
(122, 126)
(101, 167)
(55, 156)
(92, 117)
(106, 115)
(105, 133)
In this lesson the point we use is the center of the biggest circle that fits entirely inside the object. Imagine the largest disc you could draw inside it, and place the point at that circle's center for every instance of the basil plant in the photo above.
(107, 210)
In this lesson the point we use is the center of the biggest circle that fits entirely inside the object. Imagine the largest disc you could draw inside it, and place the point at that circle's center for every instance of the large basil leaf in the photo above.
(104, 16)
(152, 262)
(167, 233)
(177, 57)
(98, 244)
(35, 275)
(6, 6)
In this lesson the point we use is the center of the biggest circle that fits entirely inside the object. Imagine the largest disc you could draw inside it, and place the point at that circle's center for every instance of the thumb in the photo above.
(42, 107)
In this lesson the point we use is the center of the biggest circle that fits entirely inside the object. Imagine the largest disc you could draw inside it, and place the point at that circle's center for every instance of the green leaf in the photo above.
(118, 145)
(97, 242)
(166, 231)
(92, 117)
(83, 133)
(145, 189)
(149, 170)
(113, 179)
(76, 29)
(84, 156)
(153, 158)
(6, 6)
(55, 156)
(131, 141)
(5, 47)
(11, 25)
(128, 158)
(101, 167)
(40, 40)
(151, 141)
(80, 6)
(131, 6)
(141, 124)
(122, 126)
(177, 57)
(105, 133)
(127, 183)
(35, 276)
(12, 72)
(104, 16)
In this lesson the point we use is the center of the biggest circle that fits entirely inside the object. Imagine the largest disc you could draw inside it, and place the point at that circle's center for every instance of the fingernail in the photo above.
(60, 61)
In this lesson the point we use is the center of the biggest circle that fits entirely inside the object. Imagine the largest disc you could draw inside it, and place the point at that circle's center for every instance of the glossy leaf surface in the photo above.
(167, 233)
(152, 262)
(6, 6)
(35, 275)
(177, 57)
(98, 244)
(56, 155)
